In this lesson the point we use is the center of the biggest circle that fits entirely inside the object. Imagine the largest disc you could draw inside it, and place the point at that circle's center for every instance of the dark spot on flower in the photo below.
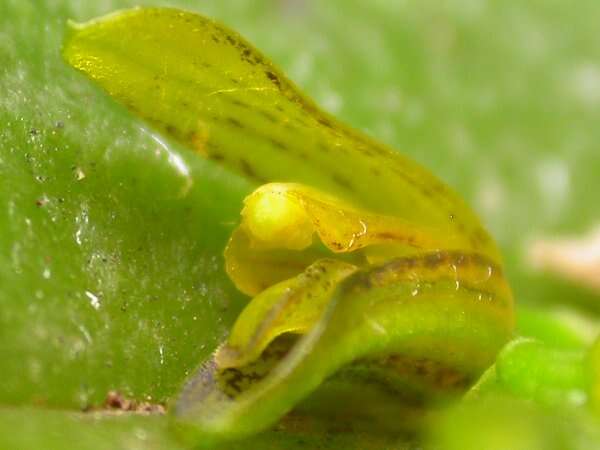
(274, 78)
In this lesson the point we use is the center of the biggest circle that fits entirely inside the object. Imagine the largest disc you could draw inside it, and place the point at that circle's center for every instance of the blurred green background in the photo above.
(111, 273)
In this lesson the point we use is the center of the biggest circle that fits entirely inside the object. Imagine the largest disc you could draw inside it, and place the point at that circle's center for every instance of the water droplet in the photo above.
(456, 280)
(78, 236)
(79, 174)
(85, 333)
(376, 326)
(82, 220)
(94, 300)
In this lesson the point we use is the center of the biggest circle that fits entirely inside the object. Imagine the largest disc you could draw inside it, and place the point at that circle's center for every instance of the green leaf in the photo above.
(34, 428)
(494, 98)
(503, 422)
(111, 239)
